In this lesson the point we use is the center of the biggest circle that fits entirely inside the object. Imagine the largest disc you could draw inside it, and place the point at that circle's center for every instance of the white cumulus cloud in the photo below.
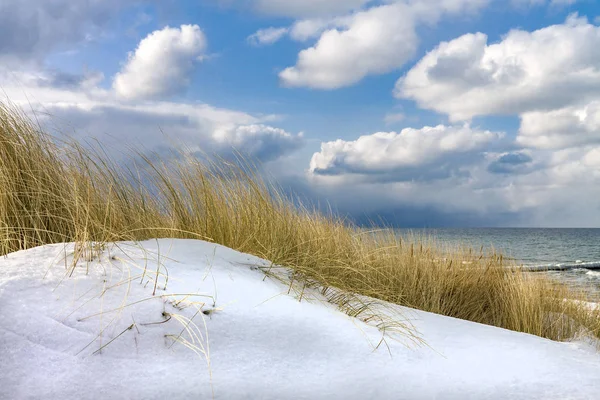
(548, 69)
(162, 63)
(373, 41)
(376, 41)
(411, 154)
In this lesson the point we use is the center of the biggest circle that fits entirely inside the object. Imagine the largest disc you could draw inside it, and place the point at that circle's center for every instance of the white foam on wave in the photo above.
(580, 270)
(564, 266)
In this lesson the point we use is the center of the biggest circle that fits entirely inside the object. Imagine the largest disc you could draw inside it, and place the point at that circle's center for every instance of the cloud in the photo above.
(66, 80)
(307, 8)
(547, 188)
(300, 31)
(162, 127)
(157, 126)
(449, 171)
(259, 141)
(428, 153)
(406, 204)
(373, 41)
(267, 36)
(162, 63)
(510, 163)
(31, 29)
(565, 127)
(454, 201)
(550, 68)
(310, 28)
(592, 158)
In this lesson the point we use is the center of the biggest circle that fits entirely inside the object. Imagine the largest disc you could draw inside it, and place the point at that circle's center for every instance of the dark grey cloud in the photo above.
(510, 163)
(271, 148)
(433, 217)
(66, 80)
(369, 207)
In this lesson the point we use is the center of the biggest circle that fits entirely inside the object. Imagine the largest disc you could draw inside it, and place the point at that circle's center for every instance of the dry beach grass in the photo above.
(54, 192)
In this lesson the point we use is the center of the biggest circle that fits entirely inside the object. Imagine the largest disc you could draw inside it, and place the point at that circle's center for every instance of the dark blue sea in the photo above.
(573, 255)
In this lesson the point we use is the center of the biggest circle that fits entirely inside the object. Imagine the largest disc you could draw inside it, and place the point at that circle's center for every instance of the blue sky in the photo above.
(424, 113)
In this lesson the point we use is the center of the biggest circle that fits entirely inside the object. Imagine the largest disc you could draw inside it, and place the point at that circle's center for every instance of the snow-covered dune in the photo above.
(102, 334)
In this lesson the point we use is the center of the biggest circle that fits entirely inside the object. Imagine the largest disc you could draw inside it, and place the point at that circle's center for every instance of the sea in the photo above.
(570, 255)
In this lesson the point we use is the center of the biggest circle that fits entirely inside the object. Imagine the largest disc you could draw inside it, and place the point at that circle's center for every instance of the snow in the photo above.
(256, 341)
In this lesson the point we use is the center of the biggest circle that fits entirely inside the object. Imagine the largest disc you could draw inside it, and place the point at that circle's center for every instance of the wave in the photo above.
(587, 265)
(595, 274)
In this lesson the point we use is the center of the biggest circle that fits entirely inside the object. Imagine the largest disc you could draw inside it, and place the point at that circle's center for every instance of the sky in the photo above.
(426, 113)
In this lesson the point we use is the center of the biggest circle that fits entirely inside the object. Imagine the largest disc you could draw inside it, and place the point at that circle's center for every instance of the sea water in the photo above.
(569, 255)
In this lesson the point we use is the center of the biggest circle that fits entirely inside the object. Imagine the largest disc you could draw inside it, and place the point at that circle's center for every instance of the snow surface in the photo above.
(262, 342)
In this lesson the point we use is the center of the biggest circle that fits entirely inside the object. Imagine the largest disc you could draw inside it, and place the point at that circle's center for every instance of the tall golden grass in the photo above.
(58, 192)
